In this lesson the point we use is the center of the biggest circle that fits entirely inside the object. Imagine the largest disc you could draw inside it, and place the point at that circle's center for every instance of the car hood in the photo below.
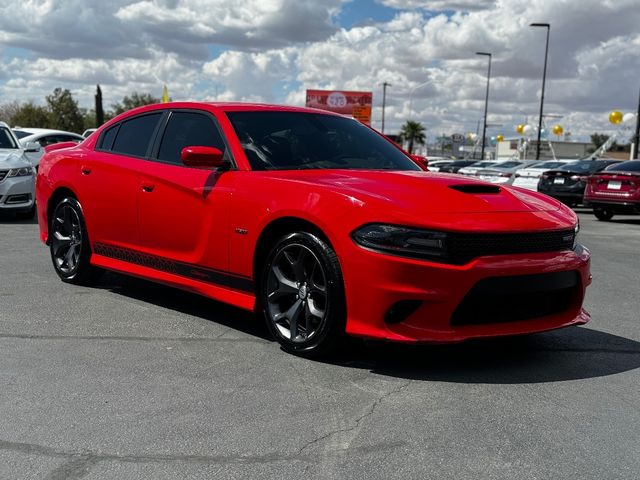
(13, 158)
(419, 193)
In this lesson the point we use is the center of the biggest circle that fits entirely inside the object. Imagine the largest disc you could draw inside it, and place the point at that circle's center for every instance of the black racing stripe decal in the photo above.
(188, 270)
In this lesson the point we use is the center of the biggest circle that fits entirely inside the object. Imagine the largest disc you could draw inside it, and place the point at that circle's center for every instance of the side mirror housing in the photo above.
(202, 157)
(32, 147)
(422, 162)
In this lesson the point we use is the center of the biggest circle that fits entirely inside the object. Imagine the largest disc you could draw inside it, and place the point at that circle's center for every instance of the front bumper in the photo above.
(376, 282)
(17, 194)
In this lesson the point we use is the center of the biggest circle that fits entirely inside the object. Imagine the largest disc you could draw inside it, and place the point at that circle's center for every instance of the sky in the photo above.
(273, 50)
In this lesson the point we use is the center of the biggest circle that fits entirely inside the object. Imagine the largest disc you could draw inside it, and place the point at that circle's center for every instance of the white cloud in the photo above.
(463, 5)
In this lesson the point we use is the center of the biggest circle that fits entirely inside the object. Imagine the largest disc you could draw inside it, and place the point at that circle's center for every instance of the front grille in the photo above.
(3, 173)
(517, 298)
(463, 247)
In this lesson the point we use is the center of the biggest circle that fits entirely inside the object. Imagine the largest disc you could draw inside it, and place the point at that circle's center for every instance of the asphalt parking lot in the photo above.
(135, 380)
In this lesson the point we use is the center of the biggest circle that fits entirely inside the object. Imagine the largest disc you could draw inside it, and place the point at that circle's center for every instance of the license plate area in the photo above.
(614, 185)
(558, 181)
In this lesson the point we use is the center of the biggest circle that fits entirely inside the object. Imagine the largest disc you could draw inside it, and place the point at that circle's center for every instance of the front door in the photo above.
(183, 212)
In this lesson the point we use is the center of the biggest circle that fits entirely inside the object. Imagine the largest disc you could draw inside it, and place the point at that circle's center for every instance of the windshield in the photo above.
(482, 164)
(300, 140)
(6, 139)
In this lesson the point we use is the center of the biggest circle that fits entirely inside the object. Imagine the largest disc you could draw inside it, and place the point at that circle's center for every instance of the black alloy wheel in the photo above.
(603, 214)
(302, 294)
(69, 243)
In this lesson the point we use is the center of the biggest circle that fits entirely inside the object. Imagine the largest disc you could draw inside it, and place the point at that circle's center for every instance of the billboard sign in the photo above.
(356, 104)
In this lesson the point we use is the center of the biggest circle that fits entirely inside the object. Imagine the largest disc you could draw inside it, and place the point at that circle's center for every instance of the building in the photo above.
(563, 149)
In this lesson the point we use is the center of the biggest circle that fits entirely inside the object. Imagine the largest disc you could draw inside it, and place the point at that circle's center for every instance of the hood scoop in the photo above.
(476, 188)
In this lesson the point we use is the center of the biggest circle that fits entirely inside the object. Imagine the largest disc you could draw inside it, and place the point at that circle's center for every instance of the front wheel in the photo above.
(302, 294)
(69, 244)
(603, 214)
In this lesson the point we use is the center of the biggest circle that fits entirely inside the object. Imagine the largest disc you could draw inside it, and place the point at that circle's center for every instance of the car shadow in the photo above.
(184, 302)
(11, 219)
(626, 221)
(568, 354)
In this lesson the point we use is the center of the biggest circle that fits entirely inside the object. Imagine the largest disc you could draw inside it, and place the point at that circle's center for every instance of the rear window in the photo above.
(134, 135)
(548, 165)
(21, 133)
(631, 166)
(584, 166)
(508, 164)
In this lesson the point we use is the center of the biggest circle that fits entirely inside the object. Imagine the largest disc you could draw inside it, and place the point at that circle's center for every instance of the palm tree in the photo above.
(413, 132)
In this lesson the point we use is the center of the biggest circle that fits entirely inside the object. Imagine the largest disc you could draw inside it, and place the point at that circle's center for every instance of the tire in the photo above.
(69, 244)
(302, 295)
(603, 214)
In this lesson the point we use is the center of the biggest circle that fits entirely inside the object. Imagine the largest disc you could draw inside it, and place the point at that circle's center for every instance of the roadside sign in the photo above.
(356, 104)
(457, 138)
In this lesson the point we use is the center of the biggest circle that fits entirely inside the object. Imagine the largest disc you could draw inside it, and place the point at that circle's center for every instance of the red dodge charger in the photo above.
(314, 220)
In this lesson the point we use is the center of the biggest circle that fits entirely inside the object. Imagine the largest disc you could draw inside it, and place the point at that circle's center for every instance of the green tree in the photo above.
(135, 100)
(7, 112)
(31, 115)
(413, 132)
(65, 114)
(99, 113)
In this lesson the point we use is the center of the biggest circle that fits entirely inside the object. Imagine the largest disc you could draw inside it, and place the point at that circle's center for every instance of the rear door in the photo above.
(109, 181)
(184, 211)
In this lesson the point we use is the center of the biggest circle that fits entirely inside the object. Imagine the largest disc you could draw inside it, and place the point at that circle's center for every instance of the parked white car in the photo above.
(434, 165)
(17, 179)
(502, 172)
(479, 165)
(88, 132)
(528, 177)
(33, 140)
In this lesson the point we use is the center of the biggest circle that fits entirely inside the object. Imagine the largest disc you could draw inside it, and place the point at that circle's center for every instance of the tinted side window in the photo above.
(187, 129)
(134, 135)
(67, 138)
(106, 141)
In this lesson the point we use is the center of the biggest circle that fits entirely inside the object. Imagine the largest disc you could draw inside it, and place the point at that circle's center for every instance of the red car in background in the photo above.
(614, 190)
(313, 220)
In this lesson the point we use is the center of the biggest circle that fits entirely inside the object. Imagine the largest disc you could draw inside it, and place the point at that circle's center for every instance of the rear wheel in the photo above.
(69, 244)
(603, 214)
(302, 294)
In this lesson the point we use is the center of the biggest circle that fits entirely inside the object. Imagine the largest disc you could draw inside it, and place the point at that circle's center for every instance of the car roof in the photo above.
(230, 107)
(44, 131)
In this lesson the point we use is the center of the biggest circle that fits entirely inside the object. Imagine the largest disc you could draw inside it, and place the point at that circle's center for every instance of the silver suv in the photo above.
(17, 180)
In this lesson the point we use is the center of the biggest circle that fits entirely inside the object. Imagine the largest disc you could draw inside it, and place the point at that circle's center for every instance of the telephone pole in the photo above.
(384, 100)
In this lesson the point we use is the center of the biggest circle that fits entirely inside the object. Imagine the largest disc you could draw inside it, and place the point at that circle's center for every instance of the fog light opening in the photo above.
(400, 311)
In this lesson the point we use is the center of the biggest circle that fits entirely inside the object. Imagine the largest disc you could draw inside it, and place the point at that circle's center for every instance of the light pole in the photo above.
(636, 137)
(544, 79)
(384, 100)
(486, 104)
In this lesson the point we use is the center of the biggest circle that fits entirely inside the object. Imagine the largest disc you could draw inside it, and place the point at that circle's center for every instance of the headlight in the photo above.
(402, 241)
(20, 172)
(575, 235)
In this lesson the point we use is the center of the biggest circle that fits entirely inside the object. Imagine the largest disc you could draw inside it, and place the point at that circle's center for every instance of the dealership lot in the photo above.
(135, 380)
